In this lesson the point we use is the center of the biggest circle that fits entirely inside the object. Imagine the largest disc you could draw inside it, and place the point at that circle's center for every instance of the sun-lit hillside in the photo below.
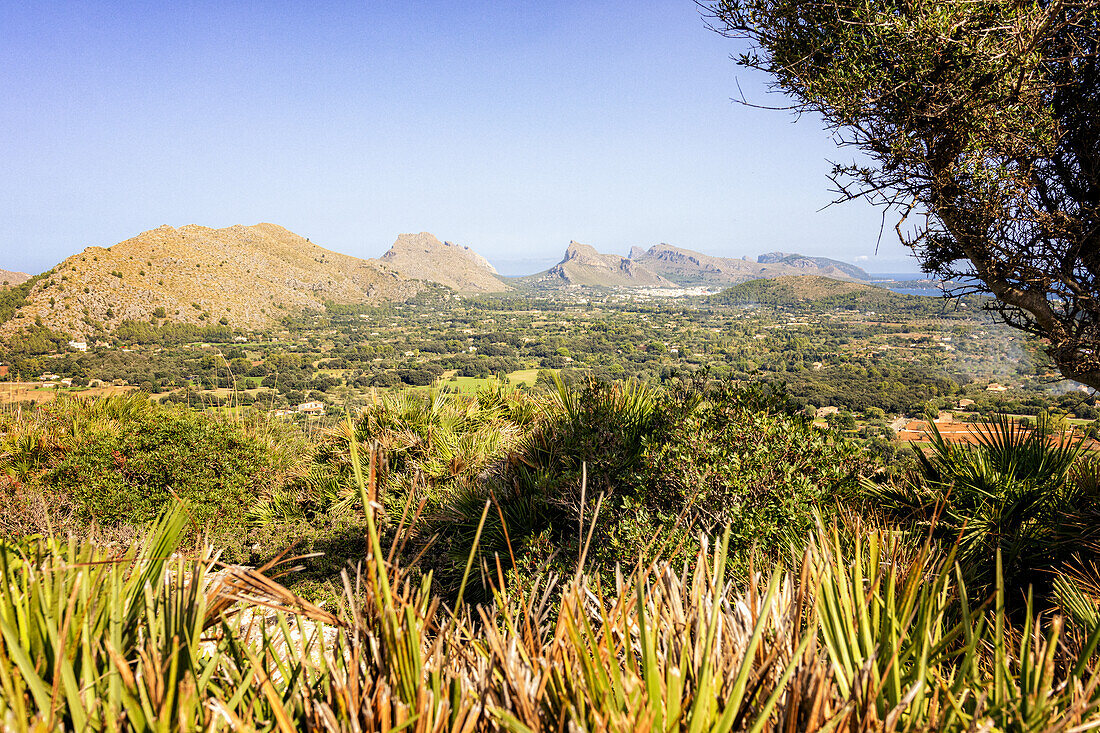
(244, 276)
(423, 257)
(9, 278)
(584, 266)
(794, 289)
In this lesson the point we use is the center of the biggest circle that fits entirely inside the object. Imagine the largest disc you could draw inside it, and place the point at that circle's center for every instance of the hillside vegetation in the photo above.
(653, 454)
(240, 276)
(14, 297)
(604, 558)
(794, 291)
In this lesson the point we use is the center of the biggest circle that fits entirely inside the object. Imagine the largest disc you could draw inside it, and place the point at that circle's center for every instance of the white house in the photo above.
(78, 345)
(312, 408)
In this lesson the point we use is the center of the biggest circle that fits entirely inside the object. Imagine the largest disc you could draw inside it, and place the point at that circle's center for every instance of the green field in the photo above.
(464, 385)
(525, 376)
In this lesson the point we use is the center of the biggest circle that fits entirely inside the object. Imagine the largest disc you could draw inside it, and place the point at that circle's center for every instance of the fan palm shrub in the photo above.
(911, 648)
(436, 442)
(434, 451)
(1023, 494)
(588, 443)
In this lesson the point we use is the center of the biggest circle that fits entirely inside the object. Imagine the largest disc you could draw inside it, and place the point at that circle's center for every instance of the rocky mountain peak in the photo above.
(423, 257)
(772, 257)
(578, 251)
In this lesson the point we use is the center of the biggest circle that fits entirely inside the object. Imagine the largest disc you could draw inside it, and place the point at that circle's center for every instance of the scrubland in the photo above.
(697, 556)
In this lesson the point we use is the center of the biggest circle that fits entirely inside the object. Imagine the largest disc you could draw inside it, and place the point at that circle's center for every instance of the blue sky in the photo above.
(510, 126)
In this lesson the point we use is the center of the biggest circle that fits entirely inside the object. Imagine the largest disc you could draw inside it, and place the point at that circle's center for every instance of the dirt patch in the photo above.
(11, 392)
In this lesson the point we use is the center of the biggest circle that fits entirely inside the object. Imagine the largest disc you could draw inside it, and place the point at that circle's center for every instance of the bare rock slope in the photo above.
(815, 265)
(423, 257)
(584, 266)
(246, 276)
(10, 279)
(685, 267)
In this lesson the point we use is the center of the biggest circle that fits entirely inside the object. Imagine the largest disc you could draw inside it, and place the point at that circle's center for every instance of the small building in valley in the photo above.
(312, 408)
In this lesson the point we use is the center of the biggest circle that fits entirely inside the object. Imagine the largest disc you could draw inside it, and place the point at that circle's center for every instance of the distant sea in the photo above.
(931, 292)
(899, 276)
(889, 281)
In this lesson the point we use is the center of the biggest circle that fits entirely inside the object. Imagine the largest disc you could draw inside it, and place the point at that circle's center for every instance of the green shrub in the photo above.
(421, 376)
(121, 460)
(130, 476)
(746, 459)
(661, 465)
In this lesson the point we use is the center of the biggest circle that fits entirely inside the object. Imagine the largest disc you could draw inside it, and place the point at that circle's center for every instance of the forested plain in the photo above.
(896, 353)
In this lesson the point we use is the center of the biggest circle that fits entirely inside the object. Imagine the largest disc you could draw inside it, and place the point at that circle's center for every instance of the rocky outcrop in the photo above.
(583, 265)
(423, 257)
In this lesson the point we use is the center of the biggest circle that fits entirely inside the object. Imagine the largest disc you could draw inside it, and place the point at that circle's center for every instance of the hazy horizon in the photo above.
(511, 129)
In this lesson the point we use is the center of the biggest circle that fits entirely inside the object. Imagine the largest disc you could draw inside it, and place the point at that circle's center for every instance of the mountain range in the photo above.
(244, 276)
(9, 278)
(584, 266)
(665, 266)
(251, 276)
(821, 265)
(686, 268)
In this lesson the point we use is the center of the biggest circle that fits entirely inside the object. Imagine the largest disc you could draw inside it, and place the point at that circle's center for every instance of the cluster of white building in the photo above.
(314, 407)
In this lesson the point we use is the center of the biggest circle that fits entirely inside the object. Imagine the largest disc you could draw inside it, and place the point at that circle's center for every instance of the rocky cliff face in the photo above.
(685, 267)
(814, 265)
(583, 265)
(246, 276)
(423, 257)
